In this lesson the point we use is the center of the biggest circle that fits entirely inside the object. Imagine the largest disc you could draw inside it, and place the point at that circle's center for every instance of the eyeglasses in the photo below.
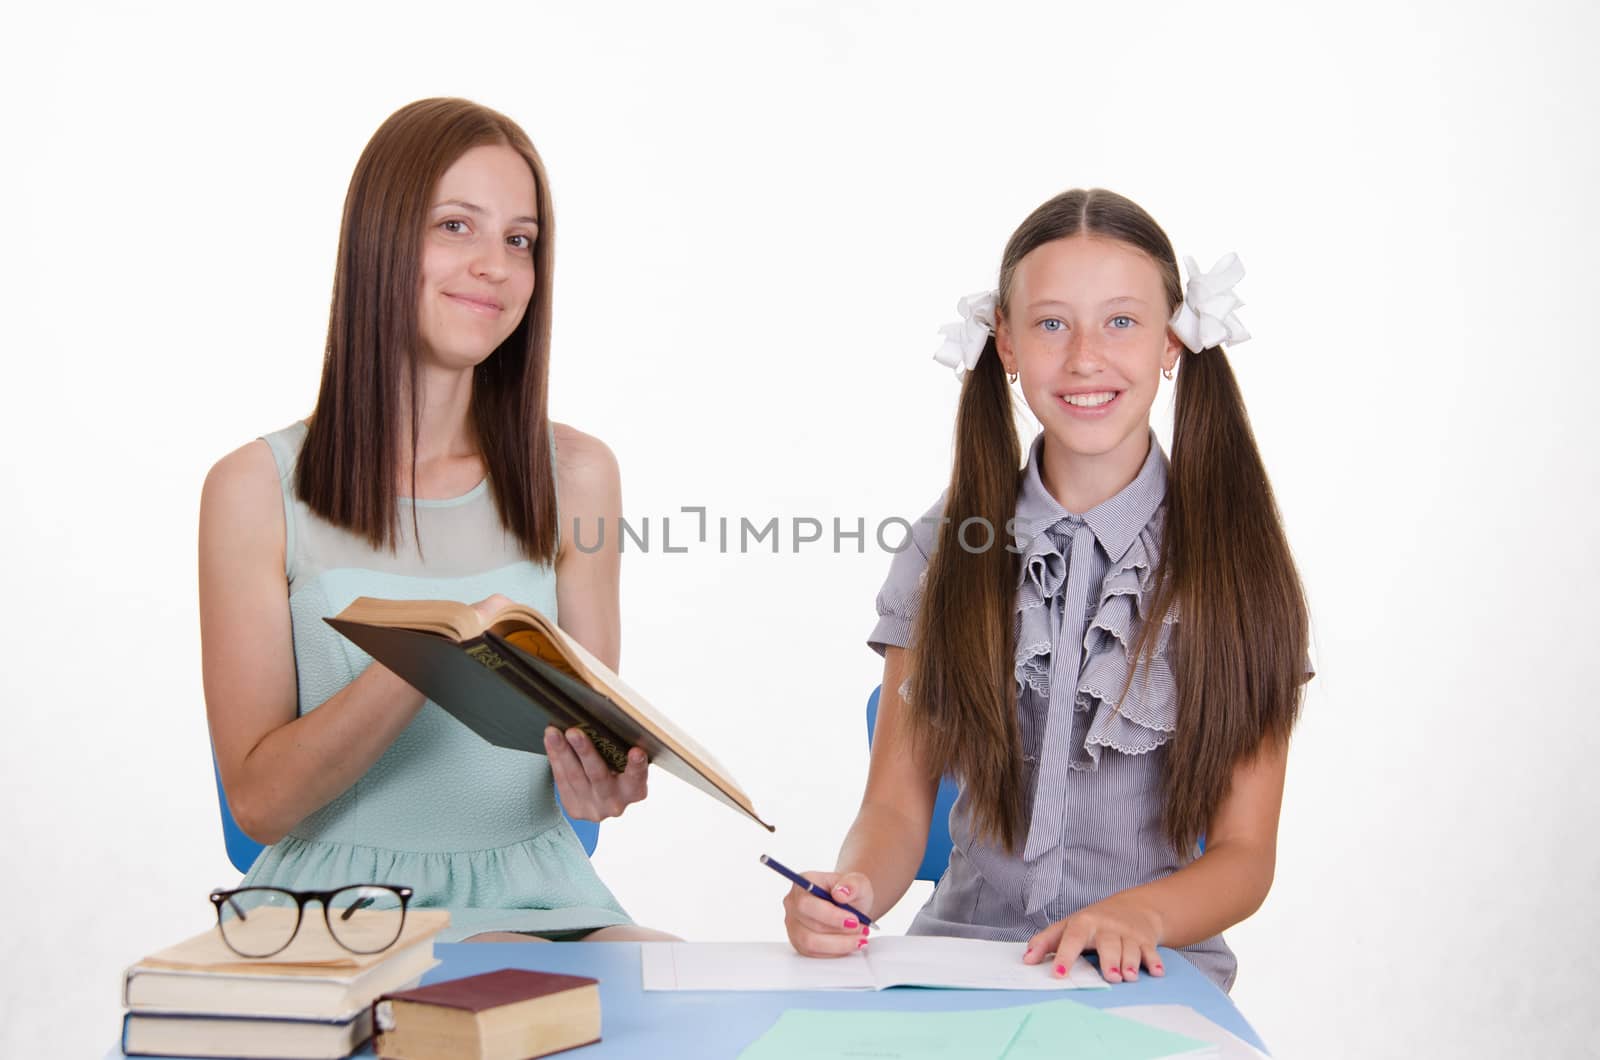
(262, 921)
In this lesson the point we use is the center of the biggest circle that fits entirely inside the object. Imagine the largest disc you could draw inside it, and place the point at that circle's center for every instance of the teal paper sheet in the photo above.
(805, 1034)
(1067, 1030)
(1062, 1030)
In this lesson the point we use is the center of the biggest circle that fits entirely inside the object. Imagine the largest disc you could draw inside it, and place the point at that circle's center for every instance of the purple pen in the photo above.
(811, 888)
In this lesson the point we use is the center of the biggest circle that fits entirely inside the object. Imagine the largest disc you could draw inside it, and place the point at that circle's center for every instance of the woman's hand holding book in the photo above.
(589, 790)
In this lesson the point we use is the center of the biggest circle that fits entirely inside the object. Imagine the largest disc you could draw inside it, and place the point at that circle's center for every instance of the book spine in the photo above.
(504, 662)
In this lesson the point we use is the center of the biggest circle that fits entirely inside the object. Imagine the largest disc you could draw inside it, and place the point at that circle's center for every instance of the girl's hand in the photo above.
(821, 929)
(589, 790)
(1121, 929)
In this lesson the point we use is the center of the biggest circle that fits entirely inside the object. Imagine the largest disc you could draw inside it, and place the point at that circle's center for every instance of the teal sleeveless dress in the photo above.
(470, 827)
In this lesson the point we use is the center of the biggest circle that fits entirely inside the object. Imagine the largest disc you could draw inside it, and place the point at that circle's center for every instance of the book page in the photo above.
(449, 618)
(664, 727)
(747, 966)
(686, 758)
(970, 964)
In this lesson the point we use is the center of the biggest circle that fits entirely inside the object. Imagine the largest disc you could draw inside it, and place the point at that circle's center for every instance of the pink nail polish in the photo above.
(843, 892)
(860, 943)
(850, 923)
(1129, 971)
(1156, 968)
(1061, 969)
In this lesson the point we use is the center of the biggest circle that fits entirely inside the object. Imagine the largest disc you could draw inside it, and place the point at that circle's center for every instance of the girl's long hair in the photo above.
(1240, 643)
(370, 371)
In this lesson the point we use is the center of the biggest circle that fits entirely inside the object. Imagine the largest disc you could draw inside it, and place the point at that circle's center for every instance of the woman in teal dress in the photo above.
(429, 469)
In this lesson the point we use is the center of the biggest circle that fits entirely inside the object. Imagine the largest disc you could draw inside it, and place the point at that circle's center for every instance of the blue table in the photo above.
(664, 1025)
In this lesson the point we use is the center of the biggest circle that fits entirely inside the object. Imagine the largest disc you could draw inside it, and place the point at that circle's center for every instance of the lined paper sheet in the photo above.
(747, 966)
(970, 964)
(910, 960)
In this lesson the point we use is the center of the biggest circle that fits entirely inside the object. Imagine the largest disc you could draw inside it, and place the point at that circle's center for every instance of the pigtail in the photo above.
(1243, 626)
(963, 693)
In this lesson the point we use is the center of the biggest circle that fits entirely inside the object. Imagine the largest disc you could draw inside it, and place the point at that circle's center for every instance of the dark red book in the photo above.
(506, 1015)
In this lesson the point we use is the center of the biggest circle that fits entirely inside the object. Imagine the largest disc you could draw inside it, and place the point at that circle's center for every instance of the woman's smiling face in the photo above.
(1085, 329)
(477, 256)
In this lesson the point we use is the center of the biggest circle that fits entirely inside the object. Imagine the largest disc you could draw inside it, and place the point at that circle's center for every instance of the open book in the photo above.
(508, 681)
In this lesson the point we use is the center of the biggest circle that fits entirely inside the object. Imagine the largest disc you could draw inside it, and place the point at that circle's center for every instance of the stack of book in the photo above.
(313, 1000)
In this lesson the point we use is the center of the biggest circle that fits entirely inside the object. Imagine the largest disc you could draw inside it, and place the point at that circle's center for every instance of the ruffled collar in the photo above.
(1099, 626)
(1127, 527)
(1116, 522)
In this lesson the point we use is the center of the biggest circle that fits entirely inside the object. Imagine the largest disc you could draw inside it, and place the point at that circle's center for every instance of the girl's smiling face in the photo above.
(1085, 329)
(477, 256)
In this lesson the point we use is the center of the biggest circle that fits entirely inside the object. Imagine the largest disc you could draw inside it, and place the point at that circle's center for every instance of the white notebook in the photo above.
(898, 960)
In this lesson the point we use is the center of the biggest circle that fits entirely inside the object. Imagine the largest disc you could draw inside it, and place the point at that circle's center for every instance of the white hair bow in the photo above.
(1206, 316)
(964, 339)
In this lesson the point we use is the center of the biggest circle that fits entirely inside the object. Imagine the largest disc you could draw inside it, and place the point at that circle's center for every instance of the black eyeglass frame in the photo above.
(218, 897)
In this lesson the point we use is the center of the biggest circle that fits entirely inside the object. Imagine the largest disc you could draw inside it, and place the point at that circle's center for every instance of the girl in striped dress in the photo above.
(1106, 649)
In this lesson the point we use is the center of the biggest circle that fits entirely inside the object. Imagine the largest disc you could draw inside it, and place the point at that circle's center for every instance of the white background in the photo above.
(765, 213)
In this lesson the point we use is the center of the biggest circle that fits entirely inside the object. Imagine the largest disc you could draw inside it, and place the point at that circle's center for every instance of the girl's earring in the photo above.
(1011, 378)
(1167, 372)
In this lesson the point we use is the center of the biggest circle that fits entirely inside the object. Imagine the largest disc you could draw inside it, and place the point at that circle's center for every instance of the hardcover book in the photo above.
(314, 999)
(312, 953)
(510, 678)
(503, 1015)
(295, 991)
(249, 1038)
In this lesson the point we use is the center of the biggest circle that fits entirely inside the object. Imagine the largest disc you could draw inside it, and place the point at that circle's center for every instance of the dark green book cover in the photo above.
(492, 687)
(509, 696)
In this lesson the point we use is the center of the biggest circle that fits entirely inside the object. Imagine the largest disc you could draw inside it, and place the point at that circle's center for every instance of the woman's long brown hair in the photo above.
(1240, 643)
(351, 457)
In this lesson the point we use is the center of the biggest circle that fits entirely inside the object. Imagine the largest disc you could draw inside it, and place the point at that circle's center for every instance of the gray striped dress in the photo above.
(1092, 772)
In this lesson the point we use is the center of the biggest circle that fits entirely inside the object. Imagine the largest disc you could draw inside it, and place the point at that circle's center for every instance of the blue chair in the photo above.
(588, 831)
(242, 850)
(936, 857)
